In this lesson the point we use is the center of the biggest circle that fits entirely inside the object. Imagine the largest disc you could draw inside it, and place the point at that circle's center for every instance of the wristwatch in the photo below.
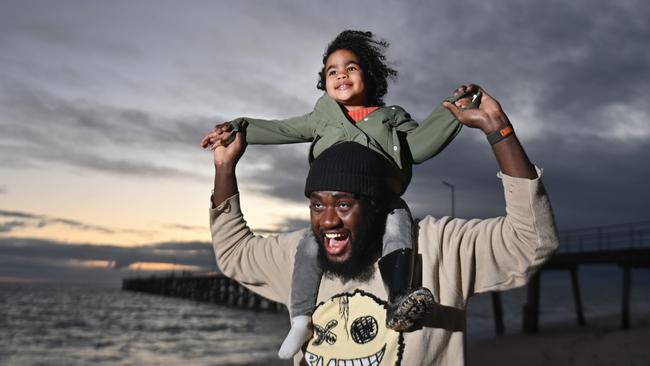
(500, 134)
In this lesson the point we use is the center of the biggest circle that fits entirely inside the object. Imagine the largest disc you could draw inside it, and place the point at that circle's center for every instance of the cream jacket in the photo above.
(459, 258)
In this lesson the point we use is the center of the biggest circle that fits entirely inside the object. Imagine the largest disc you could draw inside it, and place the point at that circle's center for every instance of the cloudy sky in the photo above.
(103, 104)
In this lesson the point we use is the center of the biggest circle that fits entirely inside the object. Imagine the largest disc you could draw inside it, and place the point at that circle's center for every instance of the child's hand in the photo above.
(471, 93)
(217, 137)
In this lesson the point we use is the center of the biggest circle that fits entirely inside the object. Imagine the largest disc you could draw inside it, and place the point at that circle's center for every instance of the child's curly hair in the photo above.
(371, 59)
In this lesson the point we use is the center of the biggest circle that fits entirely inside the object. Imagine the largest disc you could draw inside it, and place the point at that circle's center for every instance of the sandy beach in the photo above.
(600, 342)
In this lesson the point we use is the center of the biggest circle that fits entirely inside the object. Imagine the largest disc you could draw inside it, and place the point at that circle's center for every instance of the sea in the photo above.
(71, 324)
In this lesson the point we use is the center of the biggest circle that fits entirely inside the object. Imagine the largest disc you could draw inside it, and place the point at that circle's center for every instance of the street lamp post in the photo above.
(453, 203)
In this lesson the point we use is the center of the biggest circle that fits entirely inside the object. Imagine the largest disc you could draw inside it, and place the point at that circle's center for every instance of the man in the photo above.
(459, 258)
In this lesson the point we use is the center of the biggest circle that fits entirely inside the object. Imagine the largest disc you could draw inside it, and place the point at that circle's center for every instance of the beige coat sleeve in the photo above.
(475, 256)
(262, 264)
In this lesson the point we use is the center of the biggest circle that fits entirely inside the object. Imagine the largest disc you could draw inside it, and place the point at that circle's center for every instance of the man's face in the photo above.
(345, 229)
(335, 218)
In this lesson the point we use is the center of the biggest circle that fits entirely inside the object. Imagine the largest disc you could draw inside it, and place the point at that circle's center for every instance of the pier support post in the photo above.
(531, 308)
(257, 302)
(625, 311)
(224, 292)
(498, 313)
(576, 296)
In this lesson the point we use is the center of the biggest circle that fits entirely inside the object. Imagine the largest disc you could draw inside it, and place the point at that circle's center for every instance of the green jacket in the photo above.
(388, 130)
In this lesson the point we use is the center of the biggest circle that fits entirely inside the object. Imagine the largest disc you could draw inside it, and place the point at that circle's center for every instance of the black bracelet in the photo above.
(500, 134)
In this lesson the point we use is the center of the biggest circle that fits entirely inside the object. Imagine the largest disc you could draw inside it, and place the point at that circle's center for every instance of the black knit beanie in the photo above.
(348, 167)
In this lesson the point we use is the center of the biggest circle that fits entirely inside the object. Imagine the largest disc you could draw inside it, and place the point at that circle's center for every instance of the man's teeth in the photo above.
(334, 236)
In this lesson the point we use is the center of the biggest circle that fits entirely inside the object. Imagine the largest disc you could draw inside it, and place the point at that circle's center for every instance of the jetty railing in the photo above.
(214, 288)
(606, 238)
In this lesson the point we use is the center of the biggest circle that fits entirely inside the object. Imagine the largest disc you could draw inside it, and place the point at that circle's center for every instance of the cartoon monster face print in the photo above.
(349, 330)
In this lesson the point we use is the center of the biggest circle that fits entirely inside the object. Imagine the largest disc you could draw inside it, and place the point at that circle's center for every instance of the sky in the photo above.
(103, 105)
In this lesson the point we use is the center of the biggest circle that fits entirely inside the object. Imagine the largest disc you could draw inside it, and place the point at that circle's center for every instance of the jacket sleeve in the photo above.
(262, 264)
(432, 135)
(284, 131)
(500, 253)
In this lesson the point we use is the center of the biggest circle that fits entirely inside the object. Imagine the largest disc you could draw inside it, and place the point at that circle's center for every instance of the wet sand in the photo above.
(600, 342)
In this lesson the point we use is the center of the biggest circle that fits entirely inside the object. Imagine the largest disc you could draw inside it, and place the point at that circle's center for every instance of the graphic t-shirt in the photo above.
(349, 329)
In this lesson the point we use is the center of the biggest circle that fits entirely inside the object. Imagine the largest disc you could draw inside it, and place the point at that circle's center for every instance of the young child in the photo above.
(354, 77)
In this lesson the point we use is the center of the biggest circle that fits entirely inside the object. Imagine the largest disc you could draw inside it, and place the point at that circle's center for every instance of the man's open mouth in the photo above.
(336, 243)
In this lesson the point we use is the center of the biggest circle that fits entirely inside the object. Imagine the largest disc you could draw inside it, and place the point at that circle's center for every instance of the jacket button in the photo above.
(392, 107)
(394, 147)
(365, 119)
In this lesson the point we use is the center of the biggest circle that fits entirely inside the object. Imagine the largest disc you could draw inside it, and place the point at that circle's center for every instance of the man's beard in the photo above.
(366, 249)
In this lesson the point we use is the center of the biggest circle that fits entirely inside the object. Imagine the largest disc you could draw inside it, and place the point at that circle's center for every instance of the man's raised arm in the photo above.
(502, 252)
(261, 264)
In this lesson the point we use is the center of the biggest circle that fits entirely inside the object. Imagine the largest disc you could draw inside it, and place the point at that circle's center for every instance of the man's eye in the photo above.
(352, 68)
(331, 73)
(345, 205)
(316, 205)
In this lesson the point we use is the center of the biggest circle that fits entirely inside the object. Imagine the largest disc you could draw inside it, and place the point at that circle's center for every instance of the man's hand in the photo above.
(228, 156)
(488, 117)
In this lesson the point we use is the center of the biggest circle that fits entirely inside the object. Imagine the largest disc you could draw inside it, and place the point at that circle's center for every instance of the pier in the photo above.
(626, 246)
(213, 288)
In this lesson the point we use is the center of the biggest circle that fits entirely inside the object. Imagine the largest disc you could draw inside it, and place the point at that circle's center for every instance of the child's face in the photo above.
(344, 79)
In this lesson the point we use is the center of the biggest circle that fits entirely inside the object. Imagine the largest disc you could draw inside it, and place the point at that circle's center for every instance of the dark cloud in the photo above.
(58, 120)
(280, 171)
(47, 260)
(44, 129)
(17, 214)
(553, 61)
(46, 26)
(586, 189)
(583, 179)
(286, 225)
(186, 227)
(9, 226)
(30, 220)
(293, 224)
(183, 246)
(572, 55)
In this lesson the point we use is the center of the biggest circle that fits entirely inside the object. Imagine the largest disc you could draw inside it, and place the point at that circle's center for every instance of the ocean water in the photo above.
(82, 325)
